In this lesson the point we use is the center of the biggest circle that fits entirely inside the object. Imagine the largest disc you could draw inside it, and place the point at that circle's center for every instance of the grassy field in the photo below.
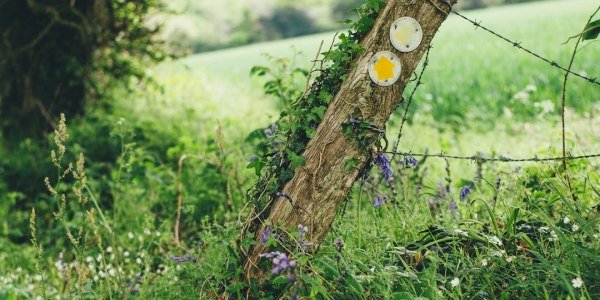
(456, 231)
(477, 88)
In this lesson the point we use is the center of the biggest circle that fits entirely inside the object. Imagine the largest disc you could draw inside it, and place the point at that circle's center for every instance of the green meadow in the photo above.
(448, 229)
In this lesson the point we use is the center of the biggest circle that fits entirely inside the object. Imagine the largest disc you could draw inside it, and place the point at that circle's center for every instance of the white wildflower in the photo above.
(484, 262)
(577, 282)
(455, 282)
(524, 226)
(138, 261)
(89, 259)
(130, 235)
(566, 220)
(575, 227)
(109, 249)
(126, 253)
(99, 257)
(495, 240)
(146, 231)
(38, 277)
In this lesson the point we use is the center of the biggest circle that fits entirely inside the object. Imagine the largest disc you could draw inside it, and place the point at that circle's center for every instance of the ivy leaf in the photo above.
(257, 164)
(352, 163)
(591, 31)
(296, 159)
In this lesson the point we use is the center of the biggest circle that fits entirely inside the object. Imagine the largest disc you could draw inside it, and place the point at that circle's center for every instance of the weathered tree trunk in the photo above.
(323, 182)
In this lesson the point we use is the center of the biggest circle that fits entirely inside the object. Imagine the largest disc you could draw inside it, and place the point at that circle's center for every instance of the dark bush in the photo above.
(57, 54)
(286, 21)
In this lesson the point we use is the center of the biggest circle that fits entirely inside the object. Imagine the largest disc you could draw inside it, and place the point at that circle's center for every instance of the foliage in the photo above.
(298, 122)
(55, 56)
(522, 236)
(591, 30)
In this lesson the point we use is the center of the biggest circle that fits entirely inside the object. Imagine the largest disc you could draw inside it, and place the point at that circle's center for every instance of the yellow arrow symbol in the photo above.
(384, 68)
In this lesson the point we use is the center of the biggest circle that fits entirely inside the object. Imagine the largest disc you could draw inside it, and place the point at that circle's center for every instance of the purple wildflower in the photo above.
(366, 175)
(182, 259)
(302, 229)
(384, 165)
(280, 261)
(270, 131)
(264, 235)
(379, 201)
(411, 161)
(252, 158)
(465, 191)
(134, 285)
(453, 207)
(433, 205)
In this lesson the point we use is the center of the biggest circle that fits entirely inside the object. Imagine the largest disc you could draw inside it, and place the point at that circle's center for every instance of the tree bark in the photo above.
(319, 186)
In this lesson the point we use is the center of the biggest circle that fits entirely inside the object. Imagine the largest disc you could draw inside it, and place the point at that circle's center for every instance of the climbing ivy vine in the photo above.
(282, 144)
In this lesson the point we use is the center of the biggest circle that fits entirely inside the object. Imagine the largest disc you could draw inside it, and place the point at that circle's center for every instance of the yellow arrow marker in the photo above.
(384, 68)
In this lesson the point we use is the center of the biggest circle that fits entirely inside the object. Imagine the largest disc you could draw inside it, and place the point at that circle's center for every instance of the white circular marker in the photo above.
(384, 68)
(406, 34)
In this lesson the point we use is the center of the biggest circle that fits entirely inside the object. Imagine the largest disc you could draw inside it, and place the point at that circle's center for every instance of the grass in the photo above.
(518, 234)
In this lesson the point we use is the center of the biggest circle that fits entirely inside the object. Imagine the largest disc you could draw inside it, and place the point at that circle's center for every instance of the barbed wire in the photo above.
(518, 45)
(506, 159)
(477, 158)
(410, 98)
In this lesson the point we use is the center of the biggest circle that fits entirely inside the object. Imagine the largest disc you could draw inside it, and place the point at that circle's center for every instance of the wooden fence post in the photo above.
(319, 186)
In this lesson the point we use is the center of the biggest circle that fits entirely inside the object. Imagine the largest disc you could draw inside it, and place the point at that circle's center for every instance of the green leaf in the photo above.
(352, 163)
(258, 165)
(591, 31)
(297, 160)
(280, 280)
(259, 70)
